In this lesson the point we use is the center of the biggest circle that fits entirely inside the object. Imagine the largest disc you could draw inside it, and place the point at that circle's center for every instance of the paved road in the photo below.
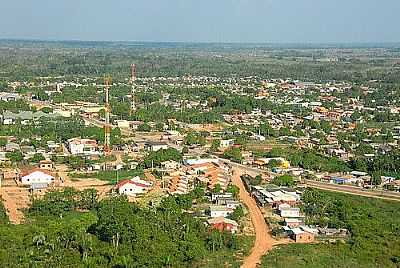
(264, 240)
(353, 190)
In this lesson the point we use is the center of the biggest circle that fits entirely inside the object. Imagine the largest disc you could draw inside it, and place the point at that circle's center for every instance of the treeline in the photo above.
(381, 164)
(74, 228)
(81, 60)
(308, 159)
(59, 130)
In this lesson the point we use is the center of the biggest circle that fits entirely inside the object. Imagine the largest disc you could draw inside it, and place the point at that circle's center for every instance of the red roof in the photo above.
(122, 183)
(30, 171)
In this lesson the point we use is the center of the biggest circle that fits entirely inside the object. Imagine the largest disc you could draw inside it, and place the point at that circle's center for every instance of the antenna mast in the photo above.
(132, 82)
(107, 126)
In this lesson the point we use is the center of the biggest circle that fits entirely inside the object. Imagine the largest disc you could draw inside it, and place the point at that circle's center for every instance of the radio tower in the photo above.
(132, 82)
(107, 126)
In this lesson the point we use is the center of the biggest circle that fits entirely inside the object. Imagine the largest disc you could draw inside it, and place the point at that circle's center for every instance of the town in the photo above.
(248, 156)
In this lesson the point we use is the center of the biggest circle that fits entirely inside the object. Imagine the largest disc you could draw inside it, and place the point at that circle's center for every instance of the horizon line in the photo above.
(208, 42)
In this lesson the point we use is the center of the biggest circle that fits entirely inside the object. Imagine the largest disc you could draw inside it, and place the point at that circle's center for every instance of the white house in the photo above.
(37, 176)
(220, 211)
(227, 143)
(123, 123)
(133, 186)
(290, 212)
(82, 146)
(155, 146)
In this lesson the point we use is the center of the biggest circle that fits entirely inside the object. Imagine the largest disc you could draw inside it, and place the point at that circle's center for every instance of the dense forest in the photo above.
(74, 229)
(30, 59)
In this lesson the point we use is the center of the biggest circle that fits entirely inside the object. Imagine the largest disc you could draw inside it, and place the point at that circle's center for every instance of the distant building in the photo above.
(46, 164)
(155, 146)
(220, 211)
(79, 146)
(290, 212)
(227, 143)
(133, 187)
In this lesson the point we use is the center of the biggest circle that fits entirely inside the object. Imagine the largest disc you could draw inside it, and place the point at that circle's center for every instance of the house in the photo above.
(133, 187)
(178, 185)
(275, 197)
(4, 161)
(170, 165)
(216, 196)
(301, 236)
(333, 232)
(155, 146)
(37, 176)
(122, 123)
(8, 121)
(5, 96)
(12, 147)
(46, 164)
(293, 222)
(290, 212)
(223, 224)
(229, 202)
(78, 146)
(219, 211)
(226, 143)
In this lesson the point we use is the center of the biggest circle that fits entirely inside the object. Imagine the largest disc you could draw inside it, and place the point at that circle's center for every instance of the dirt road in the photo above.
(264, 240)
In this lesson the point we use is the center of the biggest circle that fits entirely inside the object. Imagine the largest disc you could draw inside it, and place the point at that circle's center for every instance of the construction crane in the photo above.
(107, 108)
(132, 82)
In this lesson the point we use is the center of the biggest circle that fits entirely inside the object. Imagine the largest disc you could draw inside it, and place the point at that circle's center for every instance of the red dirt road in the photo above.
(264, 240)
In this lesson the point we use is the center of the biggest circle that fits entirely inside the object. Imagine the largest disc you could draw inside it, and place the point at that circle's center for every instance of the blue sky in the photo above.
(282, 21)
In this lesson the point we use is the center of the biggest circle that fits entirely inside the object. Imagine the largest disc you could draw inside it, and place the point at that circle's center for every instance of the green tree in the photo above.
(37, 158)
(234, 154)
(15, 156)
(284, 180)
(215, 145)
(144, 127)
(3, 142)
(233, 189)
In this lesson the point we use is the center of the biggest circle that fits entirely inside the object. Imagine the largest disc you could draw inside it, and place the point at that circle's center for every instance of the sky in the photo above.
(245, 21)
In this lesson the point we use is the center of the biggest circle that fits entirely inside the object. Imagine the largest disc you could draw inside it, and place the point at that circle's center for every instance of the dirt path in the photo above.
(264, 240)
(14, 199)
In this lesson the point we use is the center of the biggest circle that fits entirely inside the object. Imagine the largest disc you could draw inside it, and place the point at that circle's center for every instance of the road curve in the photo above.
(264, 240)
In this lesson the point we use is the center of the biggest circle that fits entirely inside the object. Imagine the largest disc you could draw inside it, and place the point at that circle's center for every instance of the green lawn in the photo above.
(109, 175)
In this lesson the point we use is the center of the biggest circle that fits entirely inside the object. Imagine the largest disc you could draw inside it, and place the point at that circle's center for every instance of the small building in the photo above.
(46, 164)
(155, 146)
(300, 236)
(79, 146)
(227, 143)
(223, 224)
(219, 211)
(123, 123)
(37, 176)
(133, 187)
(293, 222)
(215, 196)
(290, 212)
